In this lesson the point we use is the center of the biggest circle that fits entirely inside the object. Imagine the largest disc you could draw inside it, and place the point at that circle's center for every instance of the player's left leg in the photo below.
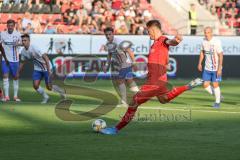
(121, 84)
(51, 87)
(130, 81)
(216, 88)
(14, 70)
(128, 76)
(5, 72)
(146, 92)
(122, 90)
(176, 91)
(37, 77)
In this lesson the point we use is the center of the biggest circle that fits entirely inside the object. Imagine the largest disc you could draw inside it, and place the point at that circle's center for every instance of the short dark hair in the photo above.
(108, 29)
(155, 23)
(25, 36)
(11, 21)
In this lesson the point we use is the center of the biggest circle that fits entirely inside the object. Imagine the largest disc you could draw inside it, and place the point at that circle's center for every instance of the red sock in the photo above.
(176, 91)
(126, 118)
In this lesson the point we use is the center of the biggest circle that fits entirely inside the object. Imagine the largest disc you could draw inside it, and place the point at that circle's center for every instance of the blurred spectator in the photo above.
(84, 16)
(193, 19)
(50, 29)
(71, 12)
(119, 22)
(26, 19)
(116, 4)
(84, 29)
(36, 24)
(130, 12)
(15, 1)
(65, 4)
(140, 30)
(228, 11)
(19, 27)
(65, 19)
(29, 29)
(122, 29)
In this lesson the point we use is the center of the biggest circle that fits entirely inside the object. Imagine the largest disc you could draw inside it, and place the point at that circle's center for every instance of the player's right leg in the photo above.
(207, 78)
(13, 70)
(126, 75)
(121, 85)
(37, 77)
(5, 72)
(217, 92)
(176, 91)
(123, 91)
(146, 92)
(51, 87)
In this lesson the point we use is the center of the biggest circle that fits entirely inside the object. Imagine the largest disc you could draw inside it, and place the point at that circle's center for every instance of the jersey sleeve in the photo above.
(164, 40)
(117, 40)
(38, 51)
(219, 48)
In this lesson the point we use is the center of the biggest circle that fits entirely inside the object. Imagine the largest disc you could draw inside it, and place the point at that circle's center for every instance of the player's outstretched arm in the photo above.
(103, 48)
(175, 41)
(220, 62)
(47, 61)
(201, 57)
(108, 63)
(20, 69)
(132, 56)
(3, 54)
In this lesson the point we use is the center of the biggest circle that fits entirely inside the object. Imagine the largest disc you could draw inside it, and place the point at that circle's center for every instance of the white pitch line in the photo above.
(186, 109)
(149, 108)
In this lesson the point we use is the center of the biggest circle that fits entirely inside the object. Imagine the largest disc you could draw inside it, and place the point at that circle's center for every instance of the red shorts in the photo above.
(149, 90)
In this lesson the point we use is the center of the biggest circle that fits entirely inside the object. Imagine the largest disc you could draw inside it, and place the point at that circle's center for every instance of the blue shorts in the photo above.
(211, 76)
(125, 73)
(12, 68)
(39, 75)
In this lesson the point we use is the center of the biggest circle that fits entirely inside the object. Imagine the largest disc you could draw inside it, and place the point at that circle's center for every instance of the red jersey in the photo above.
(158, 60)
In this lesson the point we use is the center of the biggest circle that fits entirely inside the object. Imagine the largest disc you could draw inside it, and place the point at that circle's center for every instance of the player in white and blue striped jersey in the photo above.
(212, 73)
(10, 41)
(41, 68)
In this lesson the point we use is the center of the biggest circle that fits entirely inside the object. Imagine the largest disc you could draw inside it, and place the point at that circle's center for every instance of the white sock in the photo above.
(133, 87)
(41, 91)
(123, 92)
(209, 89)
(217, 94)
(6, 87)
(57, 89)
(15, 88)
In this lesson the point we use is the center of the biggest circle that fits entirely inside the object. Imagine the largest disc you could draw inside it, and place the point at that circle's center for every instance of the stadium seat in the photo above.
(16, 8)
(56, 9)
(24, 8)
(56, 16)
(4, 17)
(2, 27)
(35, 9)
(15, 16)
(5, 8)
(45, 9)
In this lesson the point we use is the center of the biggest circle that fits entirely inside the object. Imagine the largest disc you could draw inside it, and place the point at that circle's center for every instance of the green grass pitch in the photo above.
(186, 129)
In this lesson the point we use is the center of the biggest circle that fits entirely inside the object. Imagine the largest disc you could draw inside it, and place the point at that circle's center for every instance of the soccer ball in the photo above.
(98, 124)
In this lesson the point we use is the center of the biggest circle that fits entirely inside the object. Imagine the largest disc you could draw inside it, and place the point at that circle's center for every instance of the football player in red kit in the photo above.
(156, 84)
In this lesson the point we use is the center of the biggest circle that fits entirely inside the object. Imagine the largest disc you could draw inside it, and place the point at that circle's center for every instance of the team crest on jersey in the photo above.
(111, 46)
